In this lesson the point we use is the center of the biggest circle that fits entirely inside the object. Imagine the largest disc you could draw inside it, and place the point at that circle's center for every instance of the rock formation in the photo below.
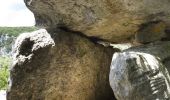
(73, 69)
(143, 73)
(66, 64)
(112, 20)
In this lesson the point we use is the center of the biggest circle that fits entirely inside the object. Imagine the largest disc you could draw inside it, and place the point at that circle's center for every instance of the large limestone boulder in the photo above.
(142, 73)
(112, 20)
(65, 67)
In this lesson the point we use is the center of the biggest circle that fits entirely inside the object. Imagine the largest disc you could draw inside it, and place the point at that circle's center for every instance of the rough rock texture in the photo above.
(112, 20)
(142, 73)
(74, 69)
(151, 32)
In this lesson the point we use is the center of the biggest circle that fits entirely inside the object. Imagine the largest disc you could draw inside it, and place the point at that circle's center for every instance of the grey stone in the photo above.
(141, 73)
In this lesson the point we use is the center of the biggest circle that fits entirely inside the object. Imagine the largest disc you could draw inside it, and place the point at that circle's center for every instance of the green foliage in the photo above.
(5, 61)
(15, 31)
(4, 71)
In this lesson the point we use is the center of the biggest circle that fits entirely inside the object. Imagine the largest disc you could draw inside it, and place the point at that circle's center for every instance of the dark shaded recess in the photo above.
(167, 31)
(166, 62)
(65, 29)
(90, 38)
(167, 38)
(144, 25)
(26, 47)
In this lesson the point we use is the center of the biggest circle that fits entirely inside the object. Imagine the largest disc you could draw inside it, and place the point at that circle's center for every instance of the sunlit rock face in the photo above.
(64, 67)
(112, 20)
(140, 73)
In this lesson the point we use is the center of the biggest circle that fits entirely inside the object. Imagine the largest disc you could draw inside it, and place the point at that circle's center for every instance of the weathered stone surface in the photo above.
(74, 69)
(142, 73)
(151, 32)
(113, 20)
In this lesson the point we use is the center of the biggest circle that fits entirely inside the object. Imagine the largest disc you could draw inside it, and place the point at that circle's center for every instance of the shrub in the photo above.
(4, 71)
(15, 31)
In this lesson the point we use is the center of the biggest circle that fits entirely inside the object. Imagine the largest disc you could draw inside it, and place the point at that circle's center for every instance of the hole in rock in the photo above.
(26, 47)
